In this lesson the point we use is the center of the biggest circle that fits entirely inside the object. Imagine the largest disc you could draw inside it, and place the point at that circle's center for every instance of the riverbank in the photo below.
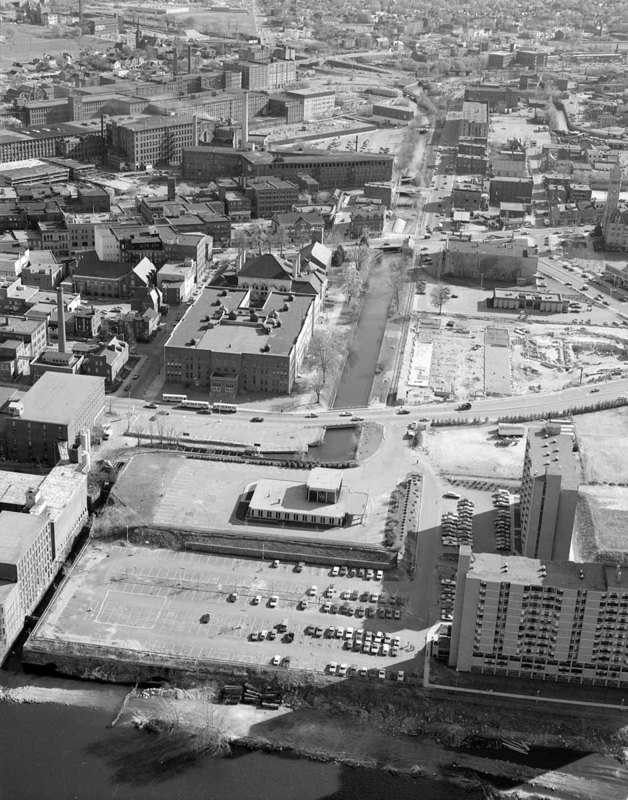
(388, 735)
(309, 733)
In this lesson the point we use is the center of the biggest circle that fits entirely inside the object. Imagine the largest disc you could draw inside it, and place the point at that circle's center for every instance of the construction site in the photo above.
(456, 357)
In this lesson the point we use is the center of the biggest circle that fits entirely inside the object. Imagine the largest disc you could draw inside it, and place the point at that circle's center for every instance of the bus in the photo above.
(202, 405)
(174, 398)
(224, 408)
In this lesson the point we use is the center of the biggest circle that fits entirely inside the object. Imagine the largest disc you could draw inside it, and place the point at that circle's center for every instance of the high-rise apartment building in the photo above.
(529, 618)
(549, 493)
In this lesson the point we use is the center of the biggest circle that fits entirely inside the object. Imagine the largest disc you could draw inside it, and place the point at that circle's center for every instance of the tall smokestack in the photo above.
(175, 62)
(61, 319)
(245, 122)
(189, 59)
(81, 14)
(195, 131)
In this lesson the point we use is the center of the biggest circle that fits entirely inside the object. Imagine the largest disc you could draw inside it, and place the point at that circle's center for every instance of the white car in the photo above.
(332, 667)
(256, 600)
(335, 571)
(272, 603)
(379, 575)
(345, 413)
(276, 661)
(342, 670)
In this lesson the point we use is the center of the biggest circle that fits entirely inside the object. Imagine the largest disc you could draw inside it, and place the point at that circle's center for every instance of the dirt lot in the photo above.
(148, 600)
(469, 451)
(549, 353)
(603, 437)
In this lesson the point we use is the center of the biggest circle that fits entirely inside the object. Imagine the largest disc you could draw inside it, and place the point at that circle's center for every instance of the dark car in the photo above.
(257, 419)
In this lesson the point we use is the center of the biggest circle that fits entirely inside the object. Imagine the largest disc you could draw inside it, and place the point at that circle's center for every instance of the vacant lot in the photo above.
(25, 42)
(603, 438)
(470, 451)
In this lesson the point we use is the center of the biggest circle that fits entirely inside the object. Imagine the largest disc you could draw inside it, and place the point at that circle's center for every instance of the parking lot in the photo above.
(202, 606)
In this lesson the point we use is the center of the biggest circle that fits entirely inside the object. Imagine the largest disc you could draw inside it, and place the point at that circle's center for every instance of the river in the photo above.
(50, 751)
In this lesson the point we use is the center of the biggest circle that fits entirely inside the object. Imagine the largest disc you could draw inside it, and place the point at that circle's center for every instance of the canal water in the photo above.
(339, 444)
(57, 752)
(356, 381)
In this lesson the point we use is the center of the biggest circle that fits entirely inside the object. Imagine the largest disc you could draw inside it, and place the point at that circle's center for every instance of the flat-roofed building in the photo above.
(511, 190)
(467, 195)
(549, 494)
(499, 259)
(270, 195)
(347, 170)
(322, 502)
(32, 332)
(550, 302)
(474, 119)
(317, 103)
(152, 140)
(227, 345)
(54, 413)
(26, 569)
(527, 617)
(500, 99)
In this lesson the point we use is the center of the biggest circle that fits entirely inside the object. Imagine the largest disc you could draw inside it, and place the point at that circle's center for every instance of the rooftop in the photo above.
(14, 485)
(324, 479)
(17, 533)
(290, 496)
(518, 570)
(474, 111)
(57, 398)
(552, 455)
(221, 321)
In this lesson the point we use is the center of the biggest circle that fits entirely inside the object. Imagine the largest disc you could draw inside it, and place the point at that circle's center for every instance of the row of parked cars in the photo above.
(447, 598)
(365, 574)
(344, 670)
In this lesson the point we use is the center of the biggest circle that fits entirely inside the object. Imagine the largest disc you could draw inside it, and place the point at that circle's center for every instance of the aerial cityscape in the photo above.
(314, 400)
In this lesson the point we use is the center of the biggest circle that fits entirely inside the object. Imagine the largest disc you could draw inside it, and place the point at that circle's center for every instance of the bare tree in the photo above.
(362, 257)
(352, 283)
(397, 277)
(278, 238)
(323, 358)
(440, 295)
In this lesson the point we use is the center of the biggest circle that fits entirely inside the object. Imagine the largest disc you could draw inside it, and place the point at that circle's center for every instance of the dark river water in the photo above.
(57, 752)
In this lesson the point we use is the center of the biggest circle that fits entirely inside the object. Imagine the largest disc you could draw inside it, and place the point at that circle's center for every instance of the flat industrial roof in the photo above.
(17, 533)
(240, 335)
(475, 111)
(57, 398)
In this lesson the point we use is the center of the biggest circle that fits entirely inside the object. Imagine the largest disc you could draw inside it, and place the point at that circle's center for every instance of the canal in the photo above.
(356, 381)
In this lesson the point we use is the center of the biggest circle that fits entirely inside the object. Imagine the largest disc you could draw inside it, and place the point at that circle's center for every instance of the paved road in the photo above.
(493, 407)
